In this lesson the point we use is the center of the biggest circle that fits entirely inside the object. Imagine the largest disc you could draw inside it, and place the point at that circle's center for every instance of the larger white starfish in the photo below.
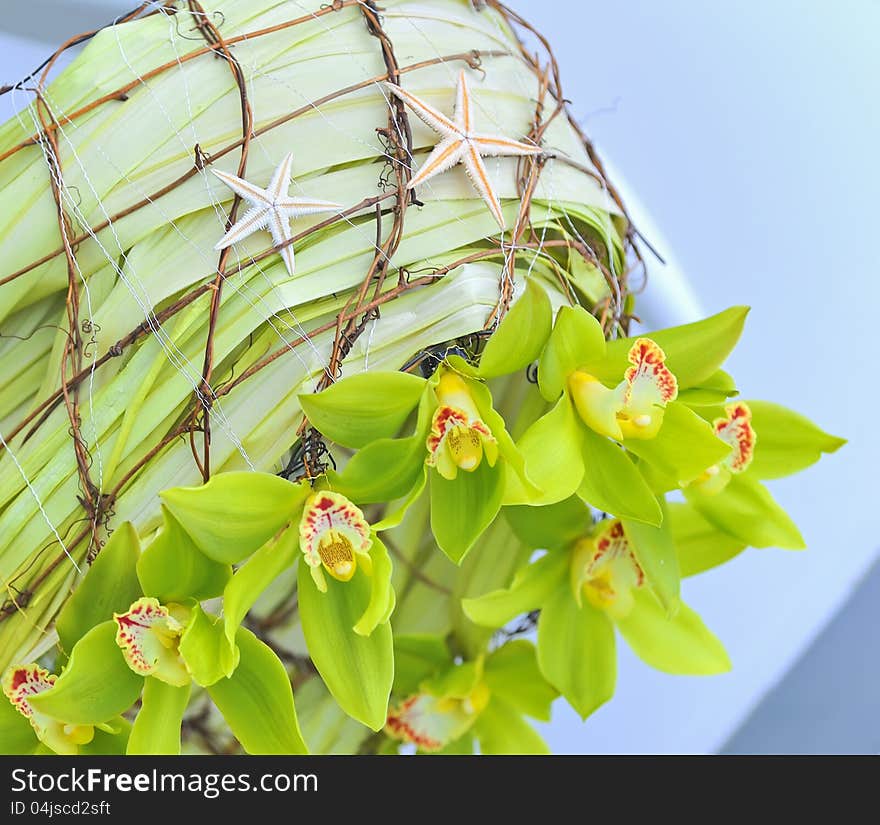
(461, 144)
(271, 208)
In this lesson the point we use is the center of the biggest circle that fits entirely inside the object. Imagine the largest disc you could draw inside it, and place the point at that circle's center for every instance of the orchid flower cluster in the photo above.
(629, 465)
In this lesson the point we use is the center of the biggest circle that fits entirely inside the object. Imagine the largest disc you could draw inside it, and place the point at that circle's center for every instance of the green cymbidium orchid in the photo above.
(624, 424)
(459, 439)
(445, 707)
(767, 441)
(634, 408)
(20, 684)
(590, 582)
(270, 524)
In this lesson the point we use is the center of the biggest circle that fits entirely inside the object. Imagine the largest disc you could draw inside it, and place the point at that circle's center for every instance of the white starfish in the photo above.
(271, 208)
(461, 144)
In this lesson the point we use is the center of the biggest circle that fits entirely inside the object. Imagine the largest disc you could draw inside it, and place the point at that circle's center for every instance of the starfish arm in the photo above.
(248, 191)
(497, 146)
(443, 156)
(298, 207)
(253, 220)
(280, 183)
(279, 226)
(437, 121)
(476, 171)
(464, 113)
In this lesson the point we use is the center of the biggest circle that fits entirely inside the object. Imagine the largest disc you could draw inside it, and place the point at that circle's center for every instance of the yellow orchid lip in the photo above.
(634, 408)
(23, 681)
(334, 536)
(459, 439)
(605, 570)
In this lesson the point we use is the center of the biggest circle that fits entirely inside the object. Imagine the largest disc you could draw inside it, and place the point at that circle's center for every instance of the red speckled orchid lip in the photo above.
(649, 382)
(605, 571)
(612, 545)
(445, 418)
(24, 681)
(634, 408)
(736, 429)
(333, 534)
(430, 722)
(148, 636)
(459, 441)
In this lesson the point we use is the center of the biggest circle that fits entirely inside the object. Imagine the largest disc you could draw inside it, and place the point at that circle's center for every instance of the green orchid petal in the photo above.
(96, 685)
(397, 510)
(358, 670)
(577, 339)
(381, 604)
(716, 389)
(679, 644)
(385, 470)
(457, 681)
(110, 585)
(364, 407)
(513, 675)
(551, 448)
(204, 646)
(787, 442)
(685, 446)
(463, 508)
(552, 527)
(698, 545)
(501, 730)
(257, 700)
(416, 658)
(576, 651)
(520, 336)
(613, 484)
(506, 446)
(156, 730)
(255, 575)
(745, 510)
(492, 564)
(654, 550)
(694, 352)
(532, 588)
(173, 569)
(236, 513)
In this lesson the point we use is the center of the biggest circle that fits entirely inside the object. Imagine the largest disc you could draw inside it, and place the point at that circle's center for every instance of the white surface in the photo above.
(750, 133)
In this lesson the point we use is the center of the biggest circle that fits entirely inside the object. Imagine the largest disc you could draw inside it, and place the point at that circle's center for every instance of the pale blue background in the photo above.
(750, 132)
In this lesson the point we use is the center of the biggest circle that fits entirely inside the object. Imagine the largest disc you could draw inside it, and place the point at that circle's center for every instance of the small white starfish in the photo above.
(461, 144)
(271, 208)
